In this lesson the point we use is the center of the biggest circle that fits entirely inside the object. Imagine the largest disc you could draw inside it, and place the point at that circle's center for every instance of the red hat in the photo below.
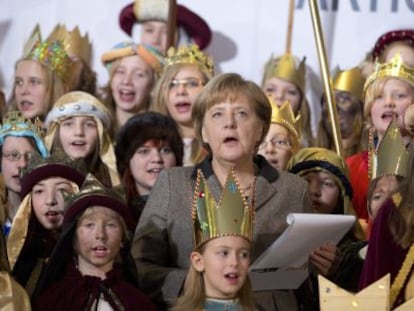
(196, 27)
(406, 35)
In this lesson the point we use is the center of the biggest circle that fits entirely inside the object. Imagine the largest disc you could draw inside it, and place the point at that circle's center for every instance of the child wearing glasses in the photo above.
(223, 232)
(186, 71)
(284, 80)
(20, 139)
(282, 139)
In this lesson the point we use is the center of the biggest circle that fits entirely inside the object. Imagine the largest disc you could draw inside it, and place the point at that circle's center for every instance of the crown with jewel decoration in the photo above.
(189, 54)
(285, 116)
(75, 44)
(350, 80)
(285, 67)
(391, 156)
(15, 121)
(14, 124)
(394, 68)
(231, 216)
(53, 55)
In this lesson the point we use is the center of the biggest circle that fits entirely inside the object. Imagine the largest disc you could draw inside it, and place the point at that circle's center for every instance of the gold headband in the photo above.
(394, 68)
(189, 54)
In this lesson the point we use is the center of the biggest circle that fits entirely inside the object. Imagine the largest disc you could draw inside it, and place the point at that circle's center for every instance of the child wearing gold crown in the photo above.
(81, 76)
(348, 86)
(283, 138)
(78, 124)
(284, 80)
(389, 91)
(387, 170)
(391, 245)
(331, 193)
(224, 114)
(186, 71)
(218, 277)
(40, 77)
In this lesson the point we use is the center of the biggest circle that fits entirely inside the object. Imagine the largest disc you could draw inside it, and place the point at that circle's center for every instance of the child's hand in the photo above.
(326, 259)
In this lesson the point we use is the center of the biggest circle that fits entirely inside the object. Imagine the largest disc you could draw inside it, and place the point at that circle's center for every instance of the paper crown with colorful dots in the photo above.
(230, 216)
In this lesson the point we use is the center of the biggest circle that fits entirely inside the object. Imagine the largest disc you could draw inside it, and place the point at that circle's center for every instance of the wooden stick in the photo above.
(326, 79)
(172, 23)
(290, 26)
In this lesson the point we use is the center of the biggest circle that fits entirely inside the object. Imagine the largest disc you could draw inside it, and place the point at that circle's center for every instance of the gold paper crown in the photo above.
(53, 55)
(14, 124)
(75, 44)
(394, 68)
(34, 39)
(189, 54)
(14, 121)
(230, 216)
(285, 116)
(373, 297)
(391, 156)
(284, 67)
(350, 80)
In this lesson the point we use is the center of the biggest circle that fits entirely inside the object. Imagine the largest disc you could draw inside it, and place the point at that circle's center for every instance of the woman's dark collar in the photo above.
(265, 170)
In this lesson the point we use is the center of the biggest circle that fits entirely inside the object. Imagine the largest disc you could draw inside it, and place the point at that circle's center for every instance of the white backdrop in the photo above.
(246, 32)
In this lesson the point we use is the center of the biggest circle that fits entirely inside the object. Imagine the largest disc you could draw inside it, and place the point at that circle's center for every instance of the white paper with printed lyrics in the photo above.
(284, 265)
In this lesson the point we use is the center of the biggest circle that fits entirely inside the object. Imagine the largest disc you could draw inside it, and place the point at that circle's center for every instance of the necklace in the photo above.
(248, 192)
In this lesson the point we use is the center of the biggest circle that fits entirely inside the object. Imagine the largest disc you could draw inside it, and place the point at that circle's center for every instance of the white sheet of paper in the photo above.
(284, 265)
